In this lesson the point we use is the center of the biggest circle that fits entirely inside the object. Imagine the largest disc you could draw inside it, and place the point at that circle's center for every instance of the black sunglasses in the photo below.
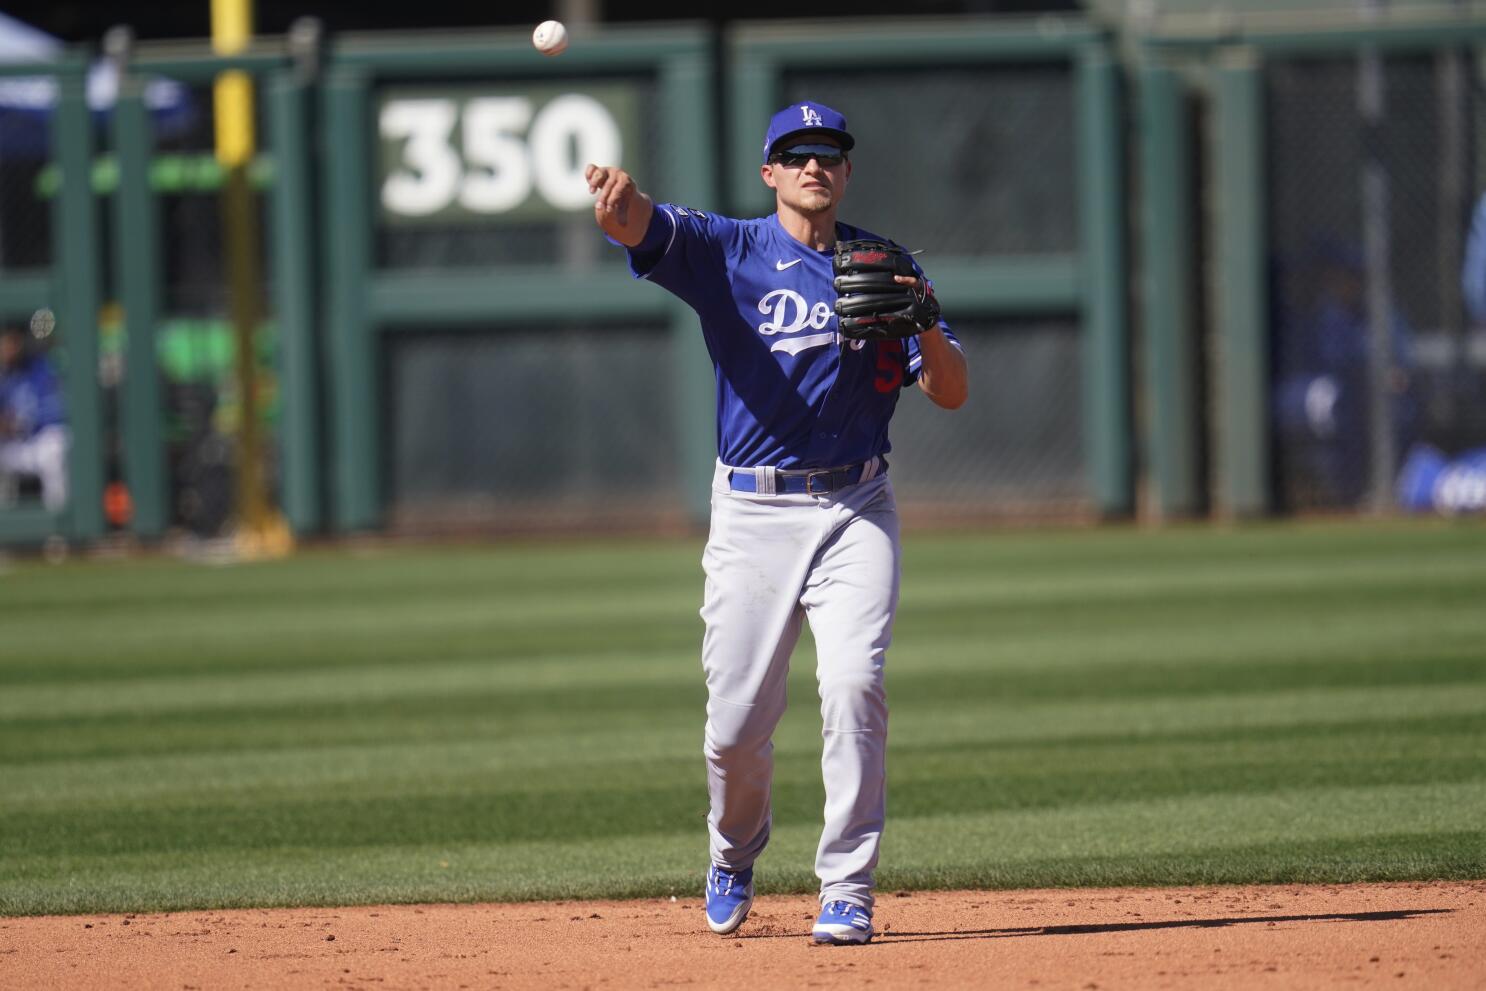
(798, 156)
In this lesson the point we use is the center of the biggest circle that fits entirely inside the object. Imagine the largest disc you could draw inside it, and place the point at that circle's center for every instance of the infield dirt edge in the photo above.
(1417, 934)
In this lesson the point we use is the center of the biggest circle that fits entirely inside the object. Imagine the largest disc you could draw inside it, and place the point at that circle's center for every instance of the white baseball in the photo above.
(550, 38)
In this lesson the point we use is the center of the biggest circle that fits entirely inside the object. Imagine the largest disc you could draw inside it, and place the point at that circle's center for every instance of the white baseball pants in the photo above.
(45, 456)
(771, 562)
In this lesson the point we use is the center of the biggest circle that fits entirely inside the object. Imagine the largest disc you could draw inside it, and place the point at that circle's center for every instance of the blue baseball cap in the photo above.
(806, 117)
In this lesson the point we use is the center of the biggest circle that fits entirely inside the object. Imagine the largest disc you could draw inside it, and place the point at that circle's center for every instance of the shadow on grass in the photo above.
(1119, 927)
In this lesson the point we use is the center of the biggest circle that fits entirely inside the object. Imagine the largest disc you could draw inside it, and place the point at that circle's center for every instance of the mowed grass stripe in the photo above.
(243, 650)
(1207, 822)
(391, 574)
(657, 795)
(921, 645)
(512, 603)
(1239, 614)
(1335, 635)
(923, 649)
(1034, 674)
(392, 766)
(1180, 581)
(211, 640)
(983, 708)
(379, 576)
(1200, 546)
(669, 752)
(338, 800)
(1450, 656)
(955, 716)
(1320, 835)
(632, 868)
(370, 683)
(554, 712)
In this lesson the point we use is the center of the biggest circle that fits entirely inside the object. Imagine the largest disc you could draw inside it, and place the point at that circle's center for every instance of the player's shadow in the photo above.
(892, 936)
(1119, 927)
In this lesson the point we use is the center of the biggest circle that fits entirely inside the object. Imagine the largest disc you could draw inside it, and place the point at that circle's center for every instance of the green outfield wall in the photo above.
(450, 343)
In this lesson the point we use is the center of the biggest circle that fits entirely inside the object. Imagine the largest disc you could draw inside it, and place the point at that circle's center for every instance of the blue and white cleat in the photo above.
(729, 897)
(842, 923)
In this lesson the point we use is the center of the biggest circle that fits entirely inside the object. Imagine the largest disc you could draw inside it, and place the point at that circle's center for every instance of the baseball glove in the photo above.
(870, 305)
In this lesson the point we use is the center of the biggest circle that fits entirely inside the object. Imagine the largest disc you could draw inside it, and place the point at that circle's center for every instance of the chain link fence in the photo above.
(196, 341)
(532, 428)
(964, 161)
(517, 427)
(27, 183)
(1014, 449)
(976, 161)
(1373, 170)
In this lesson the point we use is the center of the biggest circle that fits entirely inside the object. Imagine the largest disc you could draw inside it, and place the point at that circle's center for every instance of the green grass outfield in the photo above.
(1113, 706)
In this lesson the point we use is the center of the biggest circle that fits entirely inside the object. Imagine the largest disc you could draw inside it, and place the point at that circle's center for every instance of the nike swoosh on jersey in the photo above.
(782, 265)
(794, 345)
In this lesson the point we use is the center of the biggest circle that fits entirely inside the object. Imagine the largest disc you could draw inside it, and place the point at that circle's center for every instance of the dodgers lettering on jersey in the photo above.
(791, 392)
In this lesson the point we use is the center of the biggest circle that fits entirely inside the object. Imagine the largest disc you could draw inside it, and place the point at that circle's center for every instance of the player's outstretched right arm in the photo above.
(619, 207)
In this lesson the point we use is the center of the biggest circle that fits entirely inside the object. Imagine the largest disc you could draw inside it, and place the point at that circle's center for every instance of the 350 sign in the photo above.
(478, 155)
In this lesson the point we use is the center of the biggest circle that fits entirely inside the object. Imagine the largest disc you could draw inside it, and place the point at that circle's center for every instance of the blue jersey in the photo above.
(31, 398)
(791, 392)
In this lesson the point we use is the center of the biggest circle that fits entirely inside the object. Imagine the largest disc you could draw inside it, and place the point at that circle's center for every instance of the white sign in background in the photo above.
(456, 156)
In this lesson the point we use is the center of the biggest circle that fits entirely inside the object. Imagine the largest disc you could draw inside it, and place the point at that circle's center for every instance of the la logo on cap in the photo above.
(807, 117)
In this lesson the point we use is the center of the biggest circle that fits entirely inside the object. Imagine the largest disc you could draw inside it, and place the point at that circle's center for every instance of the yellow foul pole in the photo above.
(260, 530)
(232, 30)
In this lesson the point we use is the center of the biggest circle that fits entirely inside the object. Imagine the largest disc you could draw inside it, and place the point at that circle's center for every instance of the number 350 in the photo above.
(497, 169)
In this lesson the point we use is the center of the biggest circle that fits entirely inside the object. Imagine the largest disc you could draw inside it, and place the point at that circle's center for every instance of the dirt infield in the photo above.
(1293, 936)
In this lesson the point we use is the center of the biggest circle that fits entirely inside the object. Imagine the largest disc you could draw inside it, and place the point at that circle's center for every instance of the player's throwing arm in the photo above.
(622, 211)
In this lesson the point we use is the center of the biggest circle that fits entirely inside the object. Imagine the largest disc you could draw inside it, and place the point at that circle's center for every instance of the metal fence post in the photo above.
(1106, 364)
(1242, 291)
(294, 269)
(753, 99)
(76, 292)
(136, 252)
(686, 87)
(353, 363)
(1169, 365)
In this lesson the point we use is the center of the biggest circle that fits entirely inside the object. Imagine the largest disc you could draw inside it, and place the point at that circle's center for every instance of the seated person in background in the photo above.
(1455, 481)
(1325, 379)
(33, 423)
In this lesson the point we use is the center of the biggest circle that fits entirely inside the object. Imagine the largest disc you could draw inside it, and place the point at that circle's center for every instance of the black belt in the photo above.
(808, 481)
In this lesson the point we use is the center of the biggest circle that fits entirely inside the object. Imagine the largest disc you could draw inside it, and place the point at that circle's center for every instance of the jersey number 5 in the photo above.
(889, 365)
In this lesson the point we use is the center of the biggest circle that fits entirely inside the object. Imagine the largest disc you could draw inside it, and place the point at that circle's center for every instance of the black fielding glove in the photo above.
(870, 305)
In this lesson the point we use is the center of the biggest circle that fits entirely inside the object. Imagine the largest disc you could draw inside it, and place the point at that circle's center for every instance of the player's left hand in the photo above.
(880, 292)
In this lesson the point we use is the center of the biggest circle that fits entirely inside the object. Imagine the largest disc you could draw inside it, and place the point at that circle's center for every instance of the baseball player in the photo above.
(33, 423)
(804, 525)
